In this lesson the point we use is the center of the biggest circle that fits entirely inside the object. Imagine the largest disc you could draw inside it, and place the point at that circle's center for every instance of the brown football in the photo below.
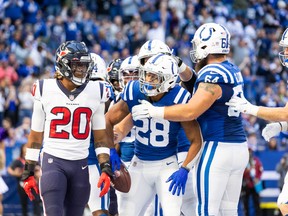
(122, 180)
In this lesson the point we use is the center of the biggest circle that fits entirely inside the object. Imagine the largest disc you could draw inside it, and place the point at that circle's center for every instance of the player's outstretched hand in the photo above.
(271, 130)
(114, 160)
(178, 181)
(146, 110)
(29, 184)
(105, 178)
(240, 104)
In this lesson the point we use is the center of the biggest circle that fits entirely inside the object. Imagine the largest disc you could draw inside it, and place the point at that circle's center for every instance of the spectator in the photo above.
(30, 10)
(11, 105)
(282, 168)
(3, 186)
(252, 184)
(16, 169)
(25, 102)
(7, 72)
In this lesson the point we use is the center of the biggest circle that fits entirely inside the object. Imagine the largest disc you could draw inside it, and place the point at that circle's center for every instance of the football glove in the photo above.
(146, 110)
(240, 104)
(29, 181)
(273, 129)
(105, 178)
(114, 160)
(178, 181)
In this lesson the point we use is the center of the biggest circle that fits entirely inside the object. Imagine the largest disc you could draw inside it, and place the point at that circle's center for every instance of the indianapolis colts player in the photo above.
(129, 70)
(271, 114)
(63, 119)
(98, 206)
(148, 49)
(225, 155)
(154, 160)
(153, 47)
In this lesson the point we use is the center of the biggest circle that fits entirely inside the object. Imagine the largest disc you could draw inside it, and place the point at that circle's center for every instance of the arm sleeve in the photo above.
(98, 119)
(189, 85)
(38, 117)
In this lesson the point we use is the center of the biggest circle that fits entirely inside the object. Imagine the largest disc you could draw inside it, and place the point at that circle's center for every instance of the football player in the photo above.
(98, 206)
(240, 104)
(156, 142)
(153, 47)
(62, 119)
(218, 178)
(148, 49)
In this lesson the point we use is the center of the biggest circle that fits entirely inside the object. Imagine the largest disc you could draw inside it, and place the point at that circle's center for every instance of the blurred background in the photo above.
(30, 32)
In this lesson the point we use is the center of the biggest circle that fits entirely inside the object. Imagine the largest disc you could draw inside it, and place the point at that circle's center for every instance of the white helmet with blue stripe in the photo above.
(129, 70)
(150, 48)
(284, 44)
(210, 38)
(99, 71)
(158, 75)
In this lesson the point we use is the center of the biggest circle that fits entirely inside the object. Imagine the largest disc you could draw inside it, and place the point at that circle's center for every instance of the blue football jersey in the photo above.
(215, 123)
(156, 139)
(127, 146)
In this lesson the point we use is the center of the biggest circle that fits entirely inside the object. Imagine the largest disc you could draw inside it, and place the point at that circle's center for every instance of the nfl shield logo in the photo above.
(71, 97)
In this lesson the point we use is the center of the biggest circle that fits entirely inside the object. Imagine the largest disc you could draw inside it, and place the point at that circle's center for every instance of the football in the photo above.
(122, 180)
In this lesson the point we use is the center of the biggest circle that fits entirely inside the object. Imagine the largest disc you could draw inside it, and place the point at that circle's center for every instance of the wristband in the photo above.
(32, 154)
(102, 150)
(106, 167)
(283, 125)
(186, 168)
(182, 67)
(253, 110)
(157, 112)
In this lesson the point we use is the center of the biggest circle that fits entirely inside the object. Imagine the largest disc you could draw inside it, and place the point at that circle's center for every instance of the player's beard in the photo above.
(201, 64)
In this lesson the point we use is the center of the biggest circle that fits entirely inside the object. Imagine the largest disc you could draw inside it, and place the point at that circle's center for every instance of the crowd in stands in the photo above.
(30, 32)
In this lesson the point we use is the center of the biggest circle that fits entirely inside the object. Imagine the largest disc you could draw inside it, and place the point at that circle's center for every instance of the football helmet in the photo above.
(113, 73)
(73, 61)
(129, 70)
(209, 38)
(284, 44)
(150, 48)
(158, 75)
(99, 71)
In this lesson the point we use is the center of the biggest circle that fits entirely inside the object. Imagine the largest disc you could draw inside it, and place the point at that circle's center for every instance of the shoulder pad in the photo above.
(215, 73)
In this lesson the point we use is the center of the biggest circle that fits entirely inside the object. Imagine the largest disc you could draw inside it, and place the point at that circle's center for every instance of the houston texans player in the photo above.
(62, 119)
(154, 161)
(272, 114)
(225, 155)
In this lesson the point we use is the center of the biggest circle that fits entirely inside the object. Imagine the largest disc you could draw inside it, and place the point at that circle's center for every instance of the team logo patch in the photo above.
(71, 97)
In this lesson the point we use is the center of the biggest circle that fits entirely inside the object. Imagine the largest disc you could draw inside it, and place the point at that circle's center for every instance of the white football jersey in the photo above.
(68, 117)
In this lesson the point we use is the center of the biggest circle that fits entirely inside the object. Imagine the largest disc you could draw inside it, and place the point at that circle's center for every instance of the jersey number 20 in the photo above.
(67, 117)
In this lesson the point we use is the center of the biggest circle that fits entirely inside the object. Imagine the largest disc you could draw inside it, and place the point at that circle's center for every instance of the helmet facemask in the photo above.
(127, 75)
(158, 75)
(73, 61)
(80, 70)
(283, 55)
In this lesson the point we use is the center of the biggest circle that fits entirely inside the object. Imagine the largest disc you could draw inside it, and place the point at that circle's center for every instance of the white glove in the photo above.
(242, 105)
(147, 110)
(273, 129)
